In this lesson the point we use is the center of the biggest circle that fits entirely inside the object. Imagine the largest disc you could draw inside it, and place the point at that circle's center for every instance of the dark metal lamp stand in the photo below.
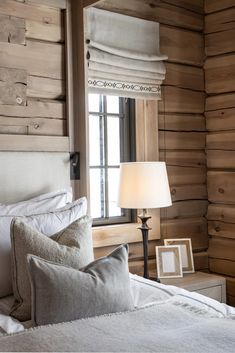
(145, 233)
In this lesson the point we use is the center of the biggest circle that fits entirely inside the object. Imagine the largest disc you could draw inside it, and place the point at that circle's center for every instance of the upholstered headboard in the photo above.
(26, 174)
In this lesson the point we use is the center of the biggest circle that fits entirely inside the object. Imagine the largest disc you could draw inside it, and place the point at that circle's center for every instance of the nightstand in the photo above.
(210, 285)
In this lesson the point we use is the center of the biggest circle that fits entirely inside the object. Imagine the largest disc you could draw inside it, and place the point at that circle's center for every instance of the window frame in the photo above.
(126, 118)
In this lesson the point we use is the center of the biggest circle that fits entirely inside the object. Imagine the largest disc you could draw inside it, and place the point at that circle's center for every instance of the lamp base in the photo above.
(145, 230)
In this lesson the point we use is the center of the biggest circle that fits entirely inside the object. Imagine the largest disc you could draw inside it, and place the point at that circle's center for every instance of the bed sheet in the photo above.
(145, 293)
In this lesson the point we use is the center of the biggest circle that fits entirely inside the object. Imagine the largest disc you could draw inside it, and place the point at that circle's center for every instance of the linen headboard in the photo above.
(27, 174)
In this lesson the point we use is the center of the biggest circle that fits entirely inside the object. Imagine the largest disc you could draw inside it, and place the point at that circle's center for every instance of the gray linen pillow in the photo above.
(72, 247)
(61, 294)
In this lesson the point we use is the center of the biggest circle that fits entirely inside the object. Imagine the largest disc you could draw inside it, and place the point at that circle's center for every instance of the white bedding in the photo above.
(145, 293)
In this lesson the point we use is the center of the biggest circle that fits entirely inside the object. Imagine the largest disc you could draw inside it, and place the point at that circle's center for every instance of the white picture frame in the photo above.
(168, 259)
(185, 251)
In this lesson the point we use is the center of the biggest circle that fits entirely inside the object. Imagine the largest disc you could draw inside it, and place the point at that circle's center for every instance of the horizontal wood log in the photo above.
(38, 58)
(135, 250)
(220, 21)
(195, 228)
(45, 88)
(220, 43)
(200, 261)
(12, 29)
(45, 31)
(187, 158)
(218, 5)
(184, 209)
(230, 284)
(174, 42)
(188, 192)
(34, 126)
(220, 159)
(186, 175)
(184, 76)
(182, 122)
(13, 86)
(223, 267)
(220, 74)
(35, 109)
(196, 6)
(231, 300)
(222, 248)
(221, 140)
(61, 4)
(28, 11)
(222, 119)
(224, 213)
(137, 266)
(162, 12)
(178, 100)
(182, 140)
(221, 187)
(221, 229)
(221, 101)
(34, 143)
(13, 129)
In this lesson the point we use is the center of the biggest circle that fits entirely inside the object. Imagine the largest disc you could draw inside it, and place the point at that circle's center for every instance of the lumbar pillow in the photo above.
(48, 222)
(61, 293)
(72, 247)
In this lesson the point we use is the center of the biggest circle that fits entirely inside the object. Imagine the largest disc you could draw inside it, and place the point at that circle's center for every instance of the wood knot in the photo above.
(221, 191)
(36, 126)
(217, 229)
(19, 100)
(173, 191)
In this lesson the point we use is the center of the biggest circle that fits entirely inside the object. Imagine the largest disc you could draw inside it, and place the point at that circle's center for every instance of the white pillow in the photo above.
(39, 204)
(47, 223)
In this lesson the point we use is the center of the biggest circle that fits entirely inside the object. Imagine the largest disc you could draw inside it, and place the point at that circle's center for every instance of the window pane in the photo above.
(113, 182)
(94, 138)
(95, 193)
(112, 104)
(94, 102)
(113, 141)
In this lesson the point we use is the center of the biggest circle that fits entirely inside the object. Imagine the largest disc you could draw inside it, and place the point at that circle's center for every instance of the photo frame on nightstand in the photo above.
(186, 253)
(168, 260)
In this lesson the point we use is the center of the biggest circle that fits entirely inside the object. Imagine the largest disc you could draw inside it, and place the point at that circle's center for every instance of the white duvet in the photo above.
(145, 293)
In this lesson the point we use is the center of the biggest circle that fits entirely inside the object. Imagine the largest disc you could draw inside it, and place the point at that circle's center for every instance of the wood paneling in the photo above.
(163, 12)
(182, 140)
(188, 208)
(180, 122)
(220, 110)
(184, 158)
(32, 72)
(183, 76)
(220, 74)
(189, 192)
(178, 100)
(218, 5)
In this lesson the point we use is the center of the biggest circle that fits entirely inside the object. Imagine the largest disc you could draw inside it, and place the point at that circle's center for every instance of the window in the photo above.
(111, 141)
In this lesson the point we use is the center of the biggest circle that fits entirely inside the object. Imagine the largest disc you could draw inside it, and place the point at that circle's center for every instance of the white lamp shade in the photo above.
(144, 185)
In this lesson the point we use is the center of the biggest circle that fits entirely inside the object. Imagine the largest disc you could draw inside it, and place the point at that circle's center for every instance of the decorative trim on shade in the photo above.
(123, 55)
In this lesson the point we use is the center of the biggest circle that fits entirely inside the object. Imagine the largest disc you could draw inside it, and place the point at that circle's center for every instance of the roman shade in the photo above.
(123, 55)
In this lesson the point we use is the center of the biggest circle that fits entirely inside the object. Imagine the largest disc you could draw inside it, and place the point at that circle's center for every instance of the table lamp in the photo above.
(144, 185)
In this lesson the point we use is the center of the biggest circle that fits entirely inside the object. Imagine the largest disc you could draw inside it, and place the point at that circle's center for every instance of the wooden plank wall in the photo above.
(181, 121)
(220, 118)
(32, 75)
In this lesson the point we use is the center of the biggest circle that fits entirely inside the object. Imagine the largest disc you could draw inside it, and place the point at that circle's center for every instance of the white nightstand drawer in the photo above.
(212, 292)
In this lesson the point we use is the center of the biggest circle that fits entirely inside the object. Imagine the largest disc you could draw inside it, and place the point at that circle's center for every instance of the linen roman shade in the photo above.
(123, 55)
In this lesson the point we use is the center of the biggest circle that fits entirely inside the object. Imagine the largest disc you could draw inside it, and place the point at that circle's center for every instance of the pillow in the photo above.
(43, 203)
(72, 246)
(47, 223)
(61, 293)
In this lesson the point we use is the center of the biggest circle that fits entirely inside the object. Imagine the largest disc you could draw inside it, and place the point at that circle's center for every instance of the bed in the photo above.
(163, 318)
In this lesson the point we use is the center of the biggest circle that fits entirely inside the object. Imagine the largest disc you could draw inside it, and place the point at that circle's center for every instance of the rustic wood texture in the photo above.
(32, 72)
(220, 113)
(182, 125)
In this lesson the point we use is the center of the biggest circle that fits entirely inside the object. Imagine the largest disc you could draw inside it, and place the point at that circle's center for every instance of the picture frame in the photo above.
(186, 253)
(168, 260)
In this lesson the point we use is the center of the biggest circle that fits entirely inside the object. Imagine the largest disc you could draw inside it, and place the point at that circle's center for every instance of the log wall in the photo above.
(32, 75)
(220, 120)
(181, 120)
